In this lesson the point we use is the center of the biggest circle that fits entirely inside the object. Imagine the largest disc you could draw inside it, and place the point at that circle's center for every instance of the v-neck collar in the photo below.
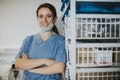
(40, 41)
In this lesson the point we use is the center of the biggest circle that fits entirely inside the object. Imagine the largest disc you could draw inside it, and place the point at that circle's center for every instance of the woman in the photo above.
(42, 56)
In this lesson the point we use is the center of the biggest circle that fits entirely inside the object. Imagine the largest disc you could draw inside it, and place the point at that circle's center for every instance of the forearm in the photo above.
(51, 69)
(26, 64)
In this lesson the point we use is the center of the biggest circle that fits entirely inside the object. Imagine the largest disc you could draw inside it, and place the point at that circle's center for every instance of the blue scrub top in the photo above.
(53, 48)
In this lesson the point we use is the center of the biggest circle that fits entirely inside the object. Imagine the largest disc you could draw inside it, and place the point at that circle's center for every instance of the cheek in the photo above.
(39, 20)
(50, 20)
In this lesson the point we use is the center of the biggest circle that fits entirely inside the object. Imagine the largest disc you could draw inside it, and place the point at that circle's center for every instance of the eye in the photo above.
(49, 16)
(40, 16)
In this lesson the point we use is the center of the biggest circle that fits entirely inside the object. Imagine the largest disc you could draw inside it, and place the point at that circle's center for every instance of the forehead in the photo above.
(44, 11)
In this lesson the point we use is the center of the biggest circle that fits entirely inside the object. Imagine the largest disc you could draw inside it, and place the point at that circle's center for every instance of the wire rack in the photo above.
(98, 74)
(97, 54)
(97, 26)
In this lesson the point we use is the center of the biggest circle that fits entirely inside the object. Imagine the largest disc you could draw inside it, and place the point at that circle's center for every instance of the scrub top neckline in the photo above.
(46, 41)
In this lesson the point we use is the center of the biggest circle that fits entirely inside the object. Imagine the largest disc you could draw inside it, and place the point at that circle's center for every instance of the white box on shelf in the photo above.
(103, 57)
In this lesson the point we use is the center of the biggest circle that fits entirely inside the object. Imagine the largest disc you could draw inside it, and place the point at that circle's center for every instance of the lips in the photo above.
(45, 25)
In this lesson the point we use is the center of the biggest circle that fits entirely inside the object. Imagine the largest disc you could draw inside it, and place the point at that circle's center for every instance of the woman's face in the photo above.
(45, 17)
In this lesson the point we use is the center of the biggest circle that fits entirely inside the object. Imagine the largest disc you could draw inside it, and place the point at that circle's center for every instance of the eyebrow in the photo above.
(45, 14)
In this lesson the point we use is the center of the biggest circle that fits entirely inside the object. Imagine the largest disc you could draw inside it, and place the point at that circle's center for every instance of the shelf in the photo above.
(93, 41)
(91, 45)
(107, 69)
(91, 65)
(108, 16)
(99, 0)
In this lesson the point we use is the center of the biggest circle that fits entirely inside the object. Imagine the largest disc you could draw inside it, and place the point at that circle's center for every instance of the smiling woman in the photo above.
(18, 18)
(43, 56)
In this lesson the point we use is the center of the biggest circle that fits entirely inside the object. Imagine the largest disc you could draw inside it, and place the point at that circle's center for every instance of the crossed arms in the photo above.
(52, 67)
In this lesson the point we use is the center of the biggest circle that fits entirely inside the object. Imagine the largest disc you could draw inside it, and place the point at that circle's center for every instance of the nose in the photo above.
(45, 19)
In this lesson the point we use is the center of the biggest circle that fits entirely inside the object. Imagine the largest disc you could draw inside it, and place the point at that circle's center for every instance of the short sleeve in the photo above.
(61, 53)
(25, 46)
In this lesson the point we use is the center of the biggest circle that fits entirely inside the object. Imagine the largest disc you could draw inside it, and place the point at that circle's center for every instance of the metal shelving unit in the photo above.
(92, 41)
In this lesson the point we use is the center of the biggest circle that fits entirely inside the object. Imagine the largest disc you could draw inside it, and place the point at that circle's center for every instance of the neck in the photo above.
(45, 35)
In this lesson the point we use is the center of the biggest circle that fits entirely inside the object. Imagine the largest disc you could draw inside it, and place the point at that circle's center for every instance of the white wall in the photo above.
(18, 19)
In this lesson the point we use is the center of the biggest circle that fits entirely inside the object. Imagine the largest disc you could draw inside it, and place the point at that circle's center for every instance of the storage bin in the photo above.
(98, 74)
(97, 54)
(96, 26)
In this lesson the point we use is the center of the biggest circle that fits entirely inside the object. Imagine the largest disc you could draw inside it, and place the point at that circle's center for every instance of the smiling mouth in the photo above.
(45, 26)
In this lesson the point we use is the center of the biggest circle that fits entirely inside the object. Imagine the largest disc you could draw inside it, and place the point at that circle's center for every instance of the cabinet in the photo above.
(92, 31)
